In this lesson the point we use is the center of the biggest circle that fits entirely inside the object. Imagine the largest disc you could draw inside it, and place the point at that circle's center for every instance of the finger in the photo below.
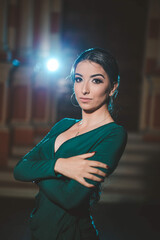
(86, 155)
(97, 171)
(83, 182)
(98, 164)
(94, 178)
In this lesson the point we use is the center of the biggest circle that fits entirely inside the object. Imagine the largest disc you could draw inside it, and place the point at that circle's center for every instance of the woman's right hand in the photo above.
(78, 168)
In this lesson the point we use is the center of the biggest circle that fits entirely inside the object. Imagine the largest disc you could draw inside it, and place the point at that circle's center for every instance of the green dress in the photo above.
(62, 210)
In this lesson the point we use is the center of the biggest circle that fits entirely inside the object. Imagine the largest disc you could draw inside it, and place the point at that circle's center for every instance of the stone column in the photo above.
(55, 30)
(44, 47)
(3, 25)
(12, 24)
(56, 9)
(25, 41)
(4, 130)
(151, 88)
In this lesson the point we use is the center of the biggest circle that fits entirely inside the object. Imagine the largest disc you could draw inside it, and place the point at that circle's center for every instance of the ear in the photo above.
(113, 90)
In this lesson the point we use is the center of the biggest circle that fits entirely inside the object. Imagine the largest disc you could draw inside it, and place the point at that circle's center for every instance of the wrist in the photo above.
(57, 166)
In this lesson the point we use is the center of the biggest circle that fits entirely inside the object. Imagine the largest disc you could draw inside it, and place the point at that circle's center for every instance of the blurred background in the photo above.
(39, 40)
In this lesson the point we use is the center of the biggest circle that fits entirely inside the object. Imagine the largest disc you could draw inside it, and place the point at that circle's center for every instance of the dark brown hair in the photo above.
(110, 66)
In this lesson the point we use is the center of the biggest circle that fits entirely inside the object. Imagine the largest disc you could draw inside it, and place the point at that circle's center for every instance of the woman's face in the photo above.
(91, 85)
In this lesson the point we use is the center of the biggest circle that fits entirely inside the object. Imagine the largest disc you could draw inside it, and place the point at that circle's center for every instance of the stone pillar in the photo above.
(4, 131)
(44, 47)
(3, 26)
(153, 38)
(55, 31)
(12, 24)
(56, 9)
(151, 83)
(20, 98)
(25, 41)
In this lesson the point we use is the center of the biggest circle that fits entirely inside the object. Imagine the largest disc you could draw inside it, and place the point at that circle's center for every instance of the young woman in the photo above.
(73, 159)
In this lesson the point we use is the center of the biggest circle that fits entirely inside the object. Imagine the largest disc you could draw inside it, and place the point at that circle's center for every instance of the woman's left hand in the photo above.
(78, 168)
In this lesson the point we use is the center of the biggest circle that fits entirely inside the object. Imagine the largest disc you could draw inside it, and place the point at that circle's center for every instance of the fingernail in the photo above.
(107, 166)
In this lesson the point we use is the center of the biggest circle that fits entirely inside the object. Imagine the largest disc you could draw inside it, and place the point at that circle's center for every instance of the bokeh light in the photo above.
(52, 64)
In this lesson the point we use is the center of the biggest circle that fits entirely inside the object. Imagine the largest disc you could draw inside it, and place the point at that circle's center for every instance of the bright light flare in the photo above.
(52, 64)
(15, 62)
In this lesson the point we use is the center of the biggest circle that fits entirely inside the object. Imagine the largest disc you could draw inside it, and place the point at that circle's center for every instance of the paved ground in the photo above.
(125, 221)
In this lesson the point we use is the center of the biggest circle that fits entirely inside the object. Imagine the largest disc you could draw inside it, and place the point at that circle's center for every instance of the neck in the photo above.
(98, 115)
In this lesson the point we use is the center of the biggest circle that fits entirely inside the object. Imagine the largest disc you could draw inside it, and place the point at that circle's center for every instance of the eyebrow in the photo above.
(78, 74)
(94, 75)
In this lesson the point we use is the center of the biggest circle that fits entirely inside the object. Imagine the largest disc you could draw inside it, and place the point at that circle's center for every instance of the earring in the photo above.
(111, 104)
(111, 100)
(73, 95)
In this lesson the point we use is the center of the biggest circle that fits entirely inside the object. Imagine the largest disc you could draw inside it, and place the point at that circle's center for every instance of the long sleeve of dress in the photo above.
(70, 194)
(31, 168)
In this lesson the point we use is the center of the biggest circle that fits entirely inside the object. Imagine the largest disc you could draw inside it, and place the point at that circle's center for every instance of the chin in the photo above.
(89, 109)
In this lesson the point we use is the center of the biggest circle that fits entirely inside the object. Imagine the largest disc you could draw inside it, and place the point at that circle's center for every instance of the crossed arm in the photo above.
(31, 168)
(70, 193)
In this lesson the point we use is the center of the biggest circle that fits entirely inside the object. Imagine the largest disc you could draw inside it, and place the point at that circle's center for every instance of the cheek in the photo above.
(101, 93)
(76, 89)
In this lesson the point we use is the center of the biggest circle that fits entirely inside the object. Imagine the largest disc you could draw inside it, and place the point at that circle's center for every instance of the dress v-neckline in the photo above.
(70, 139)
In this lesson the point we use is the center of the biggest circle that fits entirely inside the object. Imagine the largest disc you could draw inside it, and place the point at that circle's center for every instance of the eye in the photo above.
(97, 80)
(78, 79)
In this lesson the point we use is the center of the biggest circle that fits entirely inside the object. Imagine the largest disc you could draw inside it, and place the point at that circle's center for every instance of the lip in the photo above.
(85, 99)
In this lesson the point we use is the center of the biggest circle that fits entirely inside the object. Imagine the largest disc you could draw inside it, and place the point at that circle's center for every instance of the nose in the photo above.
(85, 88)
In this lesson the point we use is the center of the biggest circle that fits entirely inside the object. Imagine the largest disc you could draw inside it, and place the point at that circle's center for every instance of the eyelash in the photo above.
(98, 81)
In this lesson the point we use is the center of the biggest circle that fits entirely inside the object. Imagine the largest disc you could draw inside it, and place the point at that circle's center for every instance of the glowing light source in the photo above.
(52, 64)
(16, 63)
